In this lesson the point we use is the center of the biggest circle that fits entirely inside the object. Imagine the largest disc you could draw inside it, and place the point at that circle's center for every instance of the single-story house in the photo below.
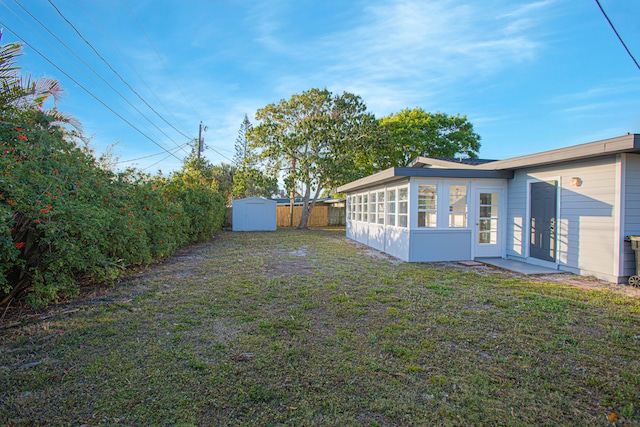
(569, 209)
(253, 214)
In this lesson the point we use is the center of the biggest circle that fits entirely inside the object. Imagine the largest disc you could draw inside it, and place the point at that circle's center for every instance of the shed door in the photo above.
(542, 243)
(255, 217)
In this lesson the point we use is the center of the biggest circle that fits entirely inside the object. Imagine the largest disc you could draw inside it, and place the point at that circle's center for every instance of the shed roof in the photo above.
(254, 199)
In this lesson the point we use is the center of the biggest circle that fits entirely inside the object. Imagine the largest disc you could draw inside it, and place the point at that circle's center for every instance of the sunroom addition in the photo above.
(447, 215)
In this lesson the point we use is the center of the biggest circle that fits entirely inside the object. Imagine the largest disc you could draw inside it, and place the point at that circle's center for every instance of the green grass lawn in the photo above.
(309, 329)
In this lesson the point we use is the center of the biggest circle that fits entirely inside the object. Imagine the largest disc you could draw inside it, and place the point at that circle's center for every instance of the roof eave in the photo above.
(394, 174)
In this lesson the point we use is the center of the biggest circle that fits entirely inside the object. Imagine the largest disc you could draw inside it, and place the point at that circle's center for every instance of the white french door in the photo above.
(488, 222)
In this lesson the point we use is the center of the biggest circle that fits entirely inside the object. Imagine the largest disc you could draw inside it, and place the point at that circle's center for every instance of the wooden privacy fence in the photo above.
(321, 216)
(337, 215)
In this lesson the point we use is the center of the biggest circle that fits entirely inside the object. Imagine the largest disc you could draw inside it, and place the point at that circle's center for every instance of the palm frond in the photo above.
(8, 55)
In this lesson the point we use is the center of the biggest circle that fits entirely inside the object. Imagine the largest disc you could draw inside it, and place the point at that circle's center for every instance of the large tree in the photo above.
(415, 132)
(312, 140)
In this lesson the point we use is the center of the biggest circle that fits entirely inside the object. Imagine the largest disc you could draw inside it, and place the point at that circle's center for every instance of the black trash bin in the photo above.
(635, 245)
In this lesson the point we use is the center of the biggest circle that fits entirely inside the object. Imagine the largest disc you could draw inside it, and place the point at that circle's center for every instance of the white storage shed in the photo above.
(254, 214)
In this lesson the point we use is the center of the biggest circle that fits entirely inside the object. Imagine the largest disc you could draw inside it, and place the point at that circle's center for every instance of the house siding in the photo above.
(631, 214)
(586, 241)
(440, 245)
(517, 216)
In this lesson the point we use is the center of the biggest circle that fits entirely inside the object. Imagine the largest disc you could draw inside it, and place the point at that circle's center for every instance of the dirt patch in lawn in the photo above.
(283, 263)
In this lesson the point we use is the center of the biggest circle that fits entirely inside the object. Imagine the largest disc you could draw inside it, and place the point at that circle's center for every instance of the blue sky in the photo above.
(529, 75)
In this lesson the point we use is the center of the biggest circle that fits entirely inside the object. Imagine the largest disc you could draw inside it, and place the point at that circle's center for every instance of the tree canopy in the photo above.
(313, 140)
(415, 132)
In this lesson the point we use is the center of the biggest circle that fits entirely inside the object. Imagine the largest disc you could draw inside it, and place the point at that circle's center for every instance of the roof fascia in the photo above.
(394, 174)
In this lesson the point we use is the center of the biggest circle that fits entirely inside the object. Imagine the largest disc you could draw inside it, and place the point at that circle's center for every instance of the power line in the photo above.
(211, 148)
(111, 67)
(152, 165)
(87, 90)
(149, 156)
(617, 34)
(186, 98)
(94, 71)
(125, 59)
(26, 24)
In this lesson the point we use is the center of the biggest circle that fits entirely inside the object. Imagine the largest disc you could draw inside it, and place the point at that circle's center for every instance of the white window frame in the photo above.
(350, 207)
(373, 207)
(381, 207)
(365, 207)
(402, 218)
(453, 214)
(391, 208)
(426, 209)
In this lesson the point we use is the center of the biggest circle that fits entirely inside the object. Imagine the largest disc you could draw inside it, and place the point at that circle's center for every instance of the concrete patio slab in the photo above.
(518, 266)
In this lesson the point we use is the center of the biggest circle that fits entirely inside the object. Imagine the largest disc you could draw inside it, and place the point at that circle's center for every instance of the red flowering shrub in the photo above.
(63, 218)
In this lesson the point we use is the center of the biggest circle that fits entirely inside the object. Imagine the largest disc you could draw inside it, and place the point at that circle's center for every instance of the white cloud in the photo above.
(406, 49)
(599, 102)
(394, 54)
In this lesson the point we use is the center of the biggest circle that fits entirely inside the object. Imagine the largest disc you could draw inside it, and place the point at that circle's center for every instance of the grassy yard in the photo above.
(309, 329)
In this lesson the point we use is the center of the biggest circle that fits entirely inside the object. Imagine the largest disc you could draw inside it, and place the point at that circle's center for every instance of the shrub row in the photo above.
(65, 219)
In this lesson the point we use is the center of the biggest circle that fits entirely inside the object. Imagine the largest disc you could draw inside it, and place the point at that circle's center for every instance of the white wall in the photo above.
(440, 245)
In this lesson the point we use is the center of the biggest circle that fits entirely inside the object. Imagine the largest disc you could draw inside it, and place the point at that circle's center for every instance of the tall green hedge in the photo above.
(65, 219)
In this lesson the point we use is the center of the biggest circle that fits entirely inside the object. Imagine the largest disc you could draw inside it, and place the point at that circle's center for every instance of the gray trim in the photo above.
(377, 178)
(454, 173)
(441, 162)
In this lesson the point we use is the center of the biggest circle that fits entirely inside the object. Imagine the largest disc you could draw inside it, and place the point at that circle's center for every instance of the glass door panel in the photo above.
(488, 211)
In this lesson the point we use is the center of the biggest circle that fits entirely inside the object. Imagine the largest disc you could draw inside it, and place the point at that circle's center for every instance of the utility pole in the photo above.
(200, 141)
